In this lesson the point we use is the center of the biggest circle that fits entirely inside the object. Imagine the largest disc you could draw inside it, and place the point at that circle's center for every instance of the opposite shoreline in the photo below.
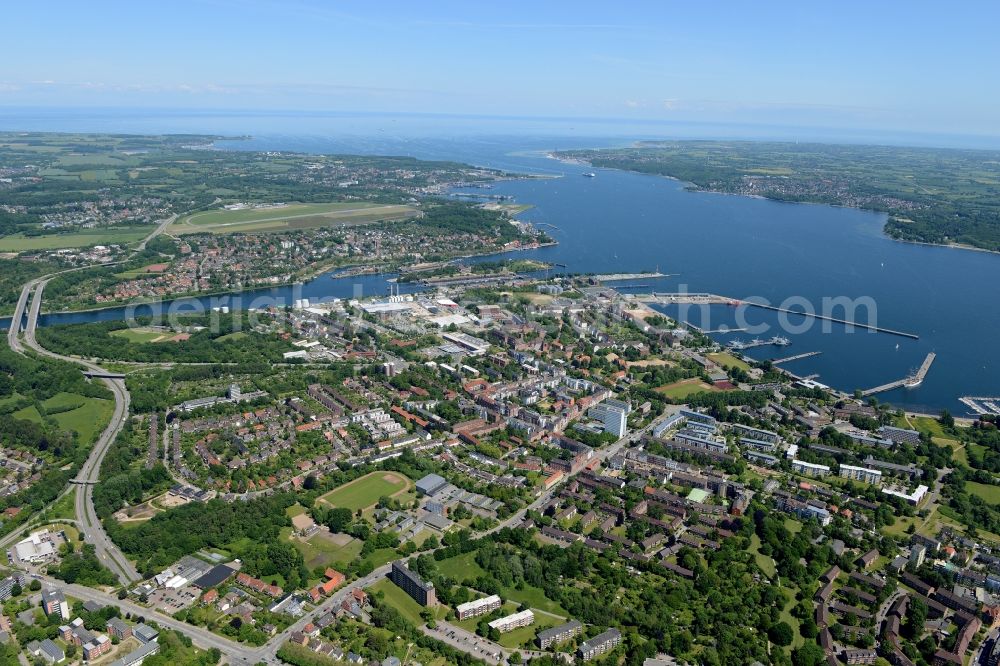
(694, 187)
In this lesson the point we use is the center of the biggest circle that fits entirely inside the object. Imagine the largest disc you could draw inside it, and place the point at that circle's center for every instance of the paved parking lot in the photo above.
(465, 641)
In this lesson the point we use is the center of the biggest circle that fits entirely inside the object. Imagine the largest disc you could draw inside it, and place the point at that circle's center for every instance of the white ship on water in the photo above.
(777, 341)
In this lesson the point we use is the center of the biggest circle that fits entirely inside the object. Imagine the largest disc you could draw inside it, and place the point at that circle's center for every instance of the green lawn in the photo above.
(382, 556)
(138, 272)
(295, 510)
(64, 507)
(29, 413)
(10, 399)
(958, 451)
(988, 492)
(793, 525)
(786, 616)
(533, 597)
(727, 360)
(140, 335)
(464, 568)
(765, 563)
(461, 567)
(519, 638)
(88, 420)
(103, 236)
(290, 216)
(64, 400)
(684, 388)
(927, 424)
(366, 491)
(72, 533)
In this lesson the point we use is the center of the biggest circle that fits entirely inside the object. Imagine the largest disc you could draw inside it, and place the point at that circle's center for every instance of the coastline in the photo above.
(694, 187)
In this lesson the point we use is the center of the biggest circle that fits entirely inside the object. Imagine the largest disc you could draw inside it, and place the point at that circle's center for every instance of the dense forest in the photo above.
(97, 339)
(14, 273)
(460, 217)
(727, 614)
(29, 381)
(184, 530)
(84, 568)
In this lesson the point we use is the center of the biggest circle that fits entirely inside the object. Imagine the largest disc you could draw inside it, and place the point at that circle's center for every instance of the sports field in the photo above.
(365, 491)
(288, 216)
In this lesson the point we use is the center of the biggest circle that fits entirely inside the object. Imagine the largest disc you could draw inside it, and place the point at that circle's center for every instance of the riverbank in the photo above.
(313, 277)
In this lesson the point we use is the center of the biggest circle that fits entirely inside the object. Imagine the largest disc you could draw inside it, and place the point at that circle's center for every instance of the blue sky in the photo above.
(914, 66)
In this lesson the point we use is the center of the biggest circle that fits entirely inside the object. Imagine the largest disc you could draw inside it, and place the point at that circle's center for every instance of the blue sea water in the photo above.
(617, 221)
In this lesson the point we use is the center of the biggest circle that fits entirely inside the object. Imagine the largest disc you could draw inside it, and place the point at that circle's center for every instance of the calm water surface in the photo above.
(734, 246)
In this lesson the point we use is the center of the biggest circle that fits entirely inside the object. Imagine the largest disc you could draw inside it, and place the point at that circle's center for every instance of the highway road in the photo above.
(86, 517)
(157, 231)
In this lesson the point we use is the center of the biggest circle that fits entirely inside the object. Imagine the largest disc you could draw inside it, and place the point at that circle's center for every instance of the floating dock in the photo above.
(982, 404)
(789, 359)
(910, 381)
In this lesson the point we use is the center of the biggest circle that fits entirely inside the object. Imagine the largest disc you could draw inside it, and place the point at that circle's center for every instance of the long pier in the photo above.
(726, 330)
(683, 297)
(910, 381)
(716, 299)
(789, 359)
(846, 322)
(617, 277)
